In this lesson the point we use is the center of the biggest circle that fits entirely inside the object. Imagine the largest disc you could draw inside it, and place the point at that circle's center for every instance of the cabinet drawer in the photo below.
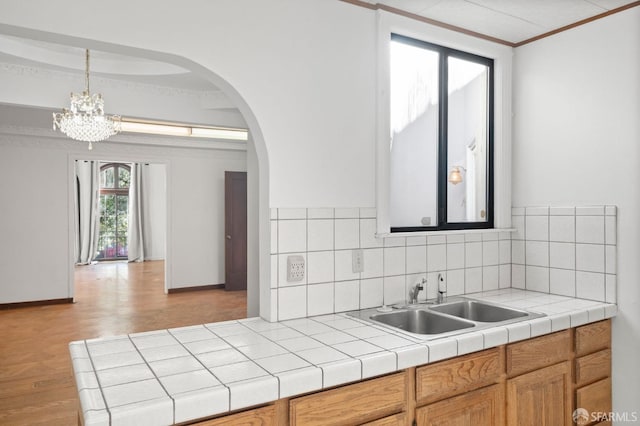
(592, 367)
(397, 420)
(352, 404)
(593, 337)
(452, 377)
(596, 397)
(265, 416)
(540, 352)
(482, 407)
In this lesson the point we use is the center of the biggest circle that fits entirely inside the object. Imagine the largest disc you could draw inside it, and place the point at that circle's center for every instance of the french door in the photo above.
(114, 211)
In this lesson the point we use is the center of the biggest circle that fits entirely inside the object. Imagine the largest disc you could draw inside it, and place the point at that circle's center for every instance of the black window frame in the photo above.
(443, 99)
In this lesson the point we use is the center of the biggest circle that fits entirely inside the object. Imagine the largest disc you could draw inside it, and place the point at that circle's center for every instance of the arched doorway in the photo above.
(257, 165)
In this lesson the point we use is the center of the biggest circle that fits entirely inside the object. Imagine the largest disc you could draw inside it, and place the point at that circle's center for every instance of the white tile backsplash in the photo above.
(320, 299)
(344, 266)
(562, 229)
(416, 258)
(537, 253)
(590, 285)
(473, 254)
(455, 255)
(292, 236)
(537, 228)
(347, 233)
(320, 235)
(548, 248)
(373, 263)
(590, 257)
(562, 255)
(590, 229)
(573, 259)
(347, 296)
(394, 261)
(371, 293)
(320, 267)
(436, 257)
(490, 253)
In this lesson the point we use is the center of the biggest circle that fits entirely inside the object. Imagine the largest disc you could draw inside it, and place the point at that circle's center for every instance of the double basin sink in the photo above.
(455, 316)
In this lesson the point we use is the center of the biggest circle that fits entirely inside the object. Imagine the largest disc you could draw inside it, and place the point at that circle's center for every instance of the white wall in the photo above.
(156, 199)
(197, 215)
(576, 134)
(35, 175)
(309, 84)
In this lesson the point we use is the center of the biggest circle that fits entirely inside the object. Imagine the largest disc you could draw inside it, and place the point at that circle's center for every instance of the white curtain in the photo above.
(138, 233)
(87, 198)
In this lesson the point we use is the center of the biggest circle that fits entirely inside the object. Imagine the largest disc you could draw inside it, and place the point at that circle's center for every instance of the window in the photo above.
(441, 149)
(114, 210)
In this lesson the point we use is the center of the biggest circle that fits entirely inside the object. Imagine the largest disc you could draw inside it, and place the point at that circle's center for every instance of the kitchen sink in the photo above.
(421, 321)
(455, 316)
(478, 311)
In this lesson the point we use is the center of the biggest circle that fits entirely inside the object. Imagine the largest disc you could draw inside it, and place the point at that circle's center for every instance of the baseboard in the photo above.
(15, 305)
(195, 288)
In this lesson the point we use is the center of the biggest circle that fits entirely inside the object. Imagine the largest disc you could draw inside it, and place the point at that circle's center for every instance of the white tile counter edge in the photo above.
(183, 374)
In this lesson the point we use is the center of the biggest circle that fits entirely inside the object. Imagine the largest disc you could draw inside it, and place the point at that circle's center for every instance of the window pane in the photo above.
(107, 178)
(414, 136)
(123, 177)
(467, 133)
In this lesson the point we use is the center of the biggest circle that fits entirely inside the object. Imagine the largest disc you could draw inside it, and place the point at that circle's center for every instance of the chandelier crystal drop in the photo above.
(85, 120)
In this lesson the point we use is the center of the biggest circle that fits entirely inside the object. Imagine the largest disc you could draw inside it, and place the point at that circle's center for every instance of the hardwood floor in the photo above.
(37, 386)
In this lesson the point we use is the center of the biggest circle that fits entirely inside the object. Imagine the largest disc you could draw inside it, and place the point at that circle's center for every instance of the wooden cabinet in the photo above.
(352, 404)
(541, 397)
(592, 376)
(539, 388)
(481, 407)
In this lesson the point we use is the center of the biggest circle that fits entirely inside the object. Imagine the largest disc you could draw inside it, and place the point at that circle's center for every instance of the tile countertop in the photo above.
(181, 374)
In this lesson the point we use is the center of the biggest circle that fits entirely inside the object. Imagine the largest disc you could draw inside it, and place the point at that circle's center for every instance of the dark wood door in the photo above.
(235, 199)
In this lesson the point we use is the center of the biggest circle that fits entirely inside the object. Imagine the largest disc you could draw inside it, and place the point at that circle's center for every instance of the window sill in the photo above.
(444, 232)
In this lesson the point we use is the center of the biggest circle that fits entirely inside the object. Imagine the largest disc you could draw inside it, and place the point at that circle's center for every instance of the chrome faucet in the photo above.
(442, 289)
(413, 293)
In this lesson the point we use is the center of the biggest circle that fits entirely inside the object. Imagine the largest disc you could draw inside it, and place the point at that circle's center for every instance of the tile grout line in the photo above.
(95, 372)
(173, 401)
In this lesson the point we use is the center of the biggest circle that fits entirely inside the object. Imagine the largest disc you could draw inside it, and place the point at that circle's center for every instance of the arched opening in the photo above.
(257, 167)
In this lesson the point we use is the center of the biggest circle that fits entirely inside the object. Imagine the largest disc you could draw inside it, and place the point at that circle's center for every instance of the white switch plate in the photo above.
(295, 268)
(357, 258)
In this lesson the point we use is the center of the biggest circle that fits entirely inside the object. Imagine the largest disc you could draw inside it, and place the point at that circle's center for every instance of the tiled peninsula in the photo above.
(184, 374)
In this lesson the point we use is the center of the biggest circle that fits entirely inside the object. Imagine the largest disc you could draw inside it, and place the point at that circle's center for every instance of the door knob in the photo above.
(228, 237)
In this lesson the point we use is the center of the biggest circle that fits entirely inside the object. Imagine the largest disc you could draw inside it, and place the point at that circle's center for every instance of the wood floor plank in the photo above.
(37, 386)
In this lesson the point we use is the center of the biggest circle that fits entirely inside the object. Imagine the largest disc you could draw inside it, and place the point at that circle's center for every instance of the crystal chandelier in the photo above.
(85, 120)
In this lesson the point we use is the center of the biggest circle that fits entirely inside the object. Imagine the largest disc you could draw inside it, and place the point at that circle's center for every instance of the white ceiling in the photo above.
(512, 21)
(57, 57)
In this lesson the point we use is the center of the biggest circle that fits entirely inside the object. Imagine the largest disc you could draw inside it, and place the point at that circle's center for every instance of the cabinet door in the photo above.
(265, 416)
(397, 420)
(541, 397)
(482, 407)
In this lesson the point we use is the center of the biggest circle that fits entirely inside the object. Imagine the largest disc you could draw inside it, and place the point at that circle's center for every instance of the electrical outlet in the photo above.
(357, 259)
(295, 268)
